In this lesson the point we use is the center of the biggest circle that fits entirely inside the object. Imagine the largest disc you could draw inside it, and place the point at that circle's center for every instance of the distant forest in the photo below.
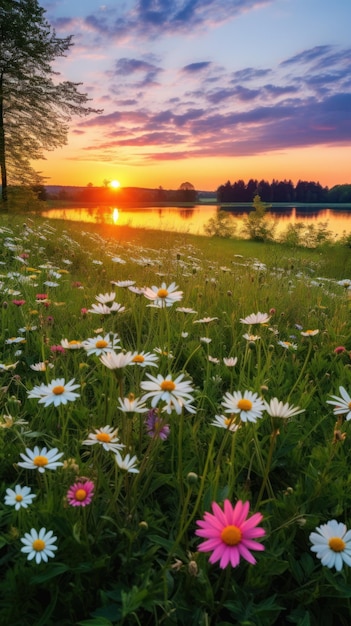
(282, 191)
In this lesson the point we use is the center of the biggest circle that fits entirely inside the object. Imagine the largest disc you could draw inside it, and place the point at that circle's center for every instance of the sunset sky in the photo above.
(206, 91)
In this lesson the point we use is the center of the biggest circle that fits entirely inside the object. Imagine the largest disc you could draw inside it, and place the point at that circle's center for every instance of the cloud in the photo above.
(196, 67)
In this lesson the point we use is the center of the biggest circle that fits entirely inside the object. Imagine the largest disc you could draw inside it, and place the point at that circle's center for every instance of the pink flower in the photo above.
(229, 534)
(41, 296)
(84, 311)
(339, 349)
(57, 348)
(81, 493)
(18, 302)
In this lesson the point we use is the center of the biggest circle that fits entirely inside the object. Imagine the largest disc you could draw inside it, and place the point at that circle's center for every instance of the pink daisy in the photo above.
(229, 534)
(81, 493)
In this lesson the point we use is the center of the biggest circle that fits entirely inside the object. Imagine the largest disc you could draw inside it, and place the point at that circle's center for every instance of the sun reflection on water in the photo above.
(115, 215)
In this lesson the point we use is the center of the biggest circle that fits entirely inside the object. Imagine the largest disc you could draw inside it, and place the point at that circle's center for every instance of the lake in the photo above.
(194, 219)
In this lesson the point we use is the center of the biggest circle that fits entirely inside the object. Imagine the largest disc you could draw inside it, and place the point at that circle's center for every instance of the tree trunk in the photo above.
(2, 148)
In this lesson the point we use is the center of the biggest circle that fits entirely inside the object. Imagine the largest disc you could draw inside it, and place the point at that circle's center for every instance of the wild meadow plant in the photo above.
(174, 433)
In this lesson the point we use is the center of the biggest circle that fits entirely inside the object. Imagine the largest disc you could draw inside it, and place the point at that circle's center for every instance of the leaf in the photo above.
(52, 570)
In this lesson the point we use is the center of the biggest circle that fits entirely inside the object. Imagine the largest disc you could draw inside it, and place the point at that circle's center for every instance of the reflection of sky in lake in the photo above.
(193, 220)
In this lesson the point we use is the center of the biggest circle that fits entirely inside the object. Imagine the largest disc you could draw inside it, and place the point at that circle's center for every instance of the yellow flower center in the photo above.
(38, 545)
(58, 390)
(228, 422)
(168, 385)
(19, 498)
(336, 544)
(162, 293)
(105, 437)
(73, 342)
(349, 405)
(80, 495)
(40, 461)
(101, 343)
(231, 535)
(138, 358)
(244, 404)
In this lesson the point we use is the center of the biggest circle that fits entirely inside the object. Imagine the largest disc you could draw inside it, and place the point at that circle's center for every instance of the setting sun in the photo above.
(115, 184)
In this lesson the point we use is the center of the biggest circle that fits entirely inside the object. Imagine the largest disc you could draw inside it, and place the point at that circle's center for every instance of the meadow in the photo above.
(174, 429)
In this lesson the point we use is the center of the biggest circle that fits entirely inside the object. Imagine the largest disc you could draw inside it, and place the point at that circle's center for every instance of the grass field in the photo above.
(174, 429)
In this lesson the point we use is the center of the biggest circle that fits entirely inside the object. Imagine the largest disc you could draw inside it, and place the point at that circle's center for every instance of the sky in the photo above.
(205, 91)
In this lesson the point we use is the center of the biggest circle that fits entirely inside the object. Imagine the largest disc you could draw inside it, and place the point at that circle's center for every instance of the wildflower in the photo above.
(183, 309)
(117, 308)
(332, 544)
(42, 366)
(18, 302)
(276, 408)
(106, 437)
(163, 296)
(57, 392)
(15, 340)
(288, 345)
(104, 298)
(229, 534)
(100, 309)
(51, 283)
(139, 291)
(248, 405)
(19, 497)
(231, 361)
(127, 464)
(41, 297)
(339, 350)
(10, 366)
(123, 283)
(57, 349)
(176, 393)
(71, 345)
(114, 360)
(41, 459)
(343, 404)
(164, 352)
(309, 333)
(131, 404)
(101, 345)
(27, 329)
(213, 359)
(9, 421)
(221, 421)
(253, 338)
(81, 493)
(156, 427)
(39, 545)
(143, 359)
(256, 318)
(205, 340)
(83, 311)
(205, 320)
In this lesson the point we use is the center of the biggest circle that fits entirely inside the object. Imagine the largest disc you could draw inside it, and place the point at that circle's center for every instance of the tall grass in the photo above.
(131, 555)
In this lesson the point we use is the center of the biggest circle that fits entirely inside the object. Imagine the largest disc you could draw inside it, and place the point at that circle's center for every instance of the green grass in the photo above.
(131, 556)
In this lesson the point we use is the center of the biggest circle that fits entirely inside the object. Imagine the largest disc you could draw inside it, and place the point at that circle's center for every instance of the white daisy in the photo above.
(205, 320)
(205, 340)
(249, 337)
(332, 544)
(139, 291)
(175, 393)
(276, 408)
(123, 283)
(221, 421)
(10, 366)
(131, 404)
(183, 309)
(114, 360)
(341, 405)
(256, 318)
(100, 309)
(57, 392)
(127, 464)
(15, 340)
(248, 405)
(19, 497)
(143, 359)
(117, 308)
(50, 283)
(42, 366)
(41, 459)
(309, 333)
(163, 296)
(230, 361)
(101, 345)
(106, 437)
(74, 344)
(288, 345)
(39, 545)
(104, 298)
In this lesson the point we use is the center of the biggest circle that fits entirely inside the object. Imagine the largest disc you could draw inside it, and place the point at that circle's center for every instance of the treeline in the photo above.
(282, 191)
